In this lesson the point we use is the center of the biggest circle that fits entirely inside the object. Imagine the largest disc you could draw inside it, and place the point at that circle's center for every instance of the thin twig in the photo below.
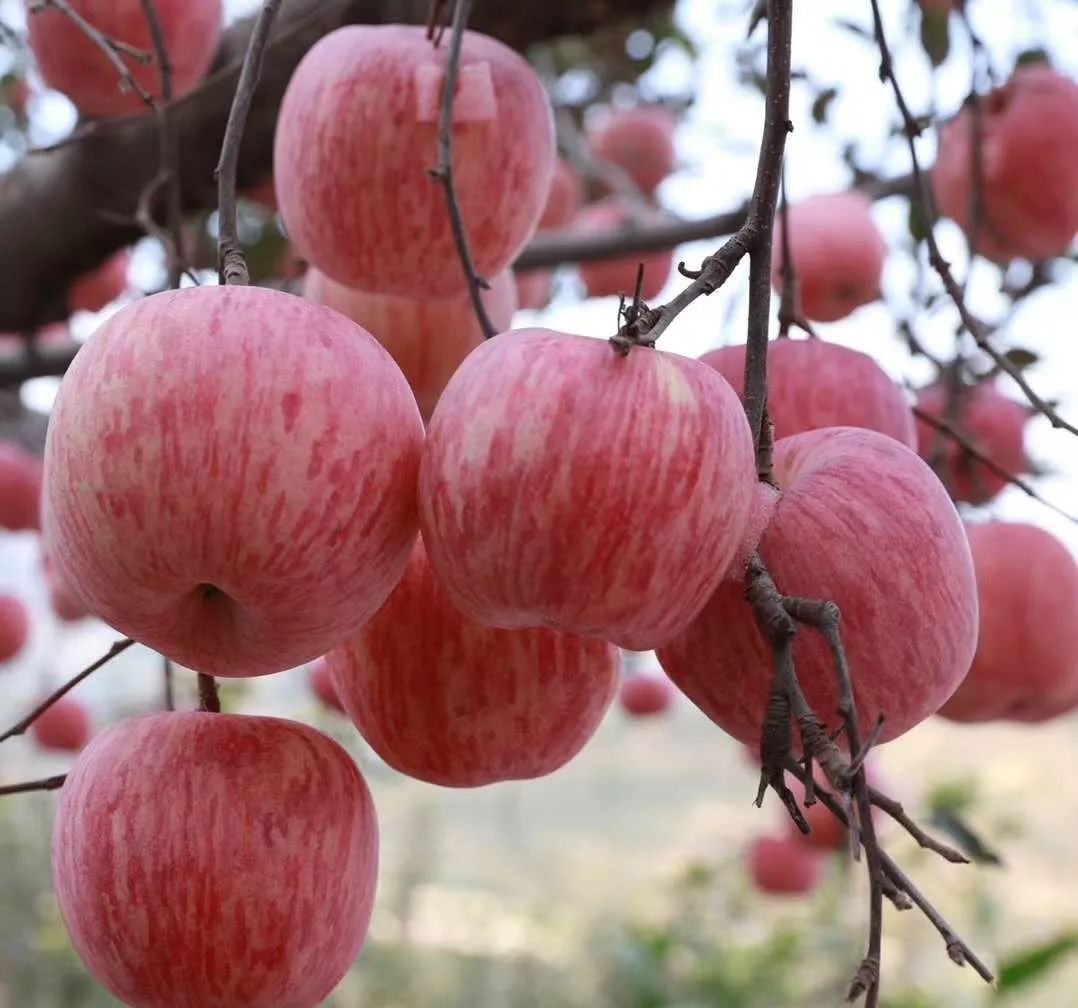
(790, 311)
(166, 669)
(231, 264)
(20, 726)
(443, 172)
(47, 784)
(895, 810)
(208, 699)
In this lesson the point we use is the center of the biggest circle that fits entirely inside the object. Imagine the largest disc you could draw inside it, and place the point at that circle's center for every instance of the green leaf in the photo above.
(1029, 56)
(822, 104)
(1022, 969)
(936, 35)
(1020, 358)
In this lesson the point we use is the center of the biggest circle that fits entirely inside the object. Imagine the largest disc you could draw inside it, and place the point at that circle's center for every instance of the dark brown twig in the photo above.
(790, 312)
(443, 172)
(895, 810)
(208, 698)
(47, 784)
(166, 669)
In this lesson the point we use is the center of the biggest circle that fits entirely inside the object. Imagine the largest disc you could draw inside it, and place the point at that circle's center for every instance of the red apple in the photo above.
(1029, 147)
(863, 522)
(606, 277)
(20, 487)
(322, 686)
(1027, 647)
(427, 337)
(215, 861)
(72, 63)
(451, 702)
(564, 485)
(837, 252)
(991, 421)
(534, 289)
(14, 627)
(102, 286)
(227, 493)
(812, 384)
(644, 694)
(64, 727)
(640, 141)
(781, 866)
(264, 194)
(64, 599)
(381, 223)
(565, 197)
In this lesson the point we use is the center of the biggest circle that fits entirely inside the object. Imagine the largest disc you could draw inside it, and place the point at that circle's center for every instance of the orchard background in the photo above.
(620, 879)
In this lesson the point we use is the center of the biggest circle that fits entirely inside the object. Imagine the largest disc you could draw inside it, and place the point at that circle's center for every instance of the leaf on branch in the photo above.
(1021, 358)
(822, 105)
(936, 35)
(1022, 969)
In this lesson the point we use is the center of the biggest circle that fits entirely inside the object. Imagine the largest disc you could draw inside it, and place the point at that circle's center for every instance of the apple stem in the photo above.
(209, 700)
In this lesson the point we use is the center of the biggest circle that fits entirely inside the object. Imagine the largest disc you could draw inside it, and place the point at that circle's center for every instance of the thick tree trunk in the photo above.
(63, 211)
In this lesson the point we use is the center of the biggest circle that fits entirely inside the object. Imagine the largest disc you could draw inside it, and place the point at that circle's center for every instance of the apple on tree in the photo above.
(14, 627)
(215, 861)
(234, 497)
(449, 701)
(607, 277)
(645, 694)
(102, 286)
(322, 686)
(20, 488)
(544, 462)
(639, 141)
(782, 866)
(381, 223)
(63, 726)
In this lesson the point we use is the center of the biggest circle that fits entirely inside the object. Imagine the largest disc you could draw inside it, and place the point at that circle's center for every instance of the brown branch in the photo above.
(48, 784)
(208, 699)
(895, 810)
(20, 726)
(166, 669)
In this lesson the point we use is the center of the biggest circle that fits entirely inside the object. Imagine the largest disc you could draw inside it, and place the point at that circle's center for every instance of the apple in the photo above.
(63, 727)
(812, 383)
(1029, 146)
(427, 337)
(564, 485)
(14, 627)
(231, 495)
(863, 522)
(645, 694)
(380, 223)
(781, 866)
(606, 277)
(215, 861)
(639, 141)
(264, 194)
(451, 702)
(828, 832)
(102, 286)
(64, 599)
(534, 289)
(837, 253)
(1027, 585)
(20, 487)
(72, 63)
(994, 423)
(322, 686)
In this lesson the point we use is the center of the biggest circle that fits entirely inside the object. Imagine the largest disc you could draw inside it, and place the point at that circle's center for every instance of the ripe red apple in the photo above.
(534, 289)
(20, 487)
(264, 194)
(606, 277)
(451, 702)
(427, 337)
(781, 866)
(644, 694)
(991, 421)
(14, 627)
(63, 727)
(227, 493)
(322, 686)
(102, 286)
(381, 223)
(1029, 146)
(812, 384)
(1027, 647)
(72, 63)
(564, 485)
(837, 252)
(214, 860)
(640, 141)
(863, 522)
(64, 599)
(828, 832)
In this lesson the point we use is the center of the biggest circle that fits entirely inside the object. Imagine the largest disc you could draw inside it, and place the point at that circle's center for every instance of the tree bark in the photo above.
(65, 210)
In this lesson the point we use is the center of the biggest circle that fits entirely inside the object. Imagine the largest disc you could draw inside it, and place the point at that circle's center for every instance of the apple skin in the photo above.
(534, 289)
(215, 861)
(609, 277)
(14, 627)
(864, 523)
(322, 686)
(70, 62)
(381, 223)
(1029, 146)
(537, 496)
(234, 497)
(20, 488)
(838, 254)
(448, 701)
(427, 337)
(63, 727)
(812, 384)
(645, 694)
(1027, 647)
(781, 866)
(640, 141)
(994, 423)
(102, 286)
